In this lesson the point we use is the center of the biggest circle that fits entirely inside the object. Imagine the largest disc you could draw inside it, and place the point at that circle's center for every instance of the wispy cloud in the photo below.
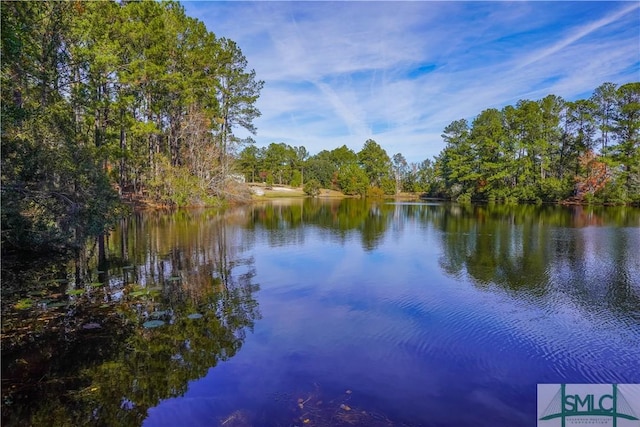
(579, 33)
(341, 72)
(349, 112)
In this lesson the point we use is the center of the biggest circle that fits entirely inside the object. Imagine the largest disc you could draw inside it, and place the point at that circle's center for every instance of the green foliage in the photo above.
(296, 178)
(388, 185)
(100, 96)
(375, 192)
(342, 156)
(321, 170)
(614, 193)
(312, 187)
(178, 187)
(353, 180)
(525, 193)
(249, 162)
(464, 198)
(325, 165)
(375, 162)
(534, 151)
(626, 128)
(24, 304)
(555, 189)
(424, 178)
(286, 164)
(510, 200)
(269, 179)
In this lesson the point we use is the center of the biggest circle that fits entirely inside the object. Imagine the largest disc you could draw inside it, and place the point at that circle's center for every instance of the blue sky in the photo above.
(398, 72)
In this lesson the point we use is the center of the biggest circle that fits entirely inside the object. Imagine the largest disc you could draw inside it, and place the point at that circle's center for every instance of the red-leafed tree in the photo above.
(594, 175)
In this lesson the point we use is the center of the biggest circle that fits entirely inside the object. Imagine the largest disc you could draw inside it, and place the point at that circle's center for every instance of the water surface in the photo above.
(311, 312)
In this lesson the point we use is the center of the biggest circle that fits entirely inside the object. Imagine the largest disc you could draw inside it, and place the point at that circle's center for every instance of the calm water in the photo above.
(325, 313)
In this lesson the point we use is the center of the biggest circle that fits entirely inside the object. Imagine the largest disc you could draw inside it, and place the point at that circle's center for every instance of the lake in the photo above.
(324, 312)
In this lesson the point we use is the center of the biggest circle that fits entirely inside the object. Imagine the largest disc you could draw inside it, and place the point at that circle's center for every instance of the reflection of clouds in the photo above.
(319, 261)
(329, 265)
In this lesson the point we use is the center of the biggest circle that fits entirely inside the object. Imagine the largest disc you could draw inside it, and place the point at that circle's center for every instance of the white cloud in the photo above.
(341, 72)
(577, 34)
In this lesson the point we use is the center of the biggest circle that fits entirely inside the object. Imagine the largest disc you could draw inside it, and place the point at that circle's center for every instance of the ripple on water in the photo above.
(555, 335)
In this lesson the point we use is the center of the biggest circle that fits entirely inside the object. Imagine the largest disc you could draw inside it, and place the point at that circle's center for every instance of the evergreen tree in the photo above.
(375, 163)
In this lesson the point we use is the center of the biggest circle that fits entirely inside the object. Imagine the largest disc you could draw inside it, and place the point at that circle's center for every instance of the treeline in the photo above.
(370, 171)
(101, 98)
(549, 150)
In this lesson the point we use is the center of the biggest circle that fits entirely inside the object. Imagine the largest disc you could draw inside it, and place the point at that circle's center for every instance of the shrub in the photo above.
(312, 187)
(464, 198)
(614, 193)
(554, 189)
(375, 192)
(525, 193)
(176, 186)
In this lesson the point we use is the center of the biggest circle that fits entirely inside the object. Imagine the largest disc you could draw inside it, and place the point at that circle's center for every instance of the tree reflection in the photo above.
(75, 350)
(582, 252)
(287, 221)
(92, 362)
